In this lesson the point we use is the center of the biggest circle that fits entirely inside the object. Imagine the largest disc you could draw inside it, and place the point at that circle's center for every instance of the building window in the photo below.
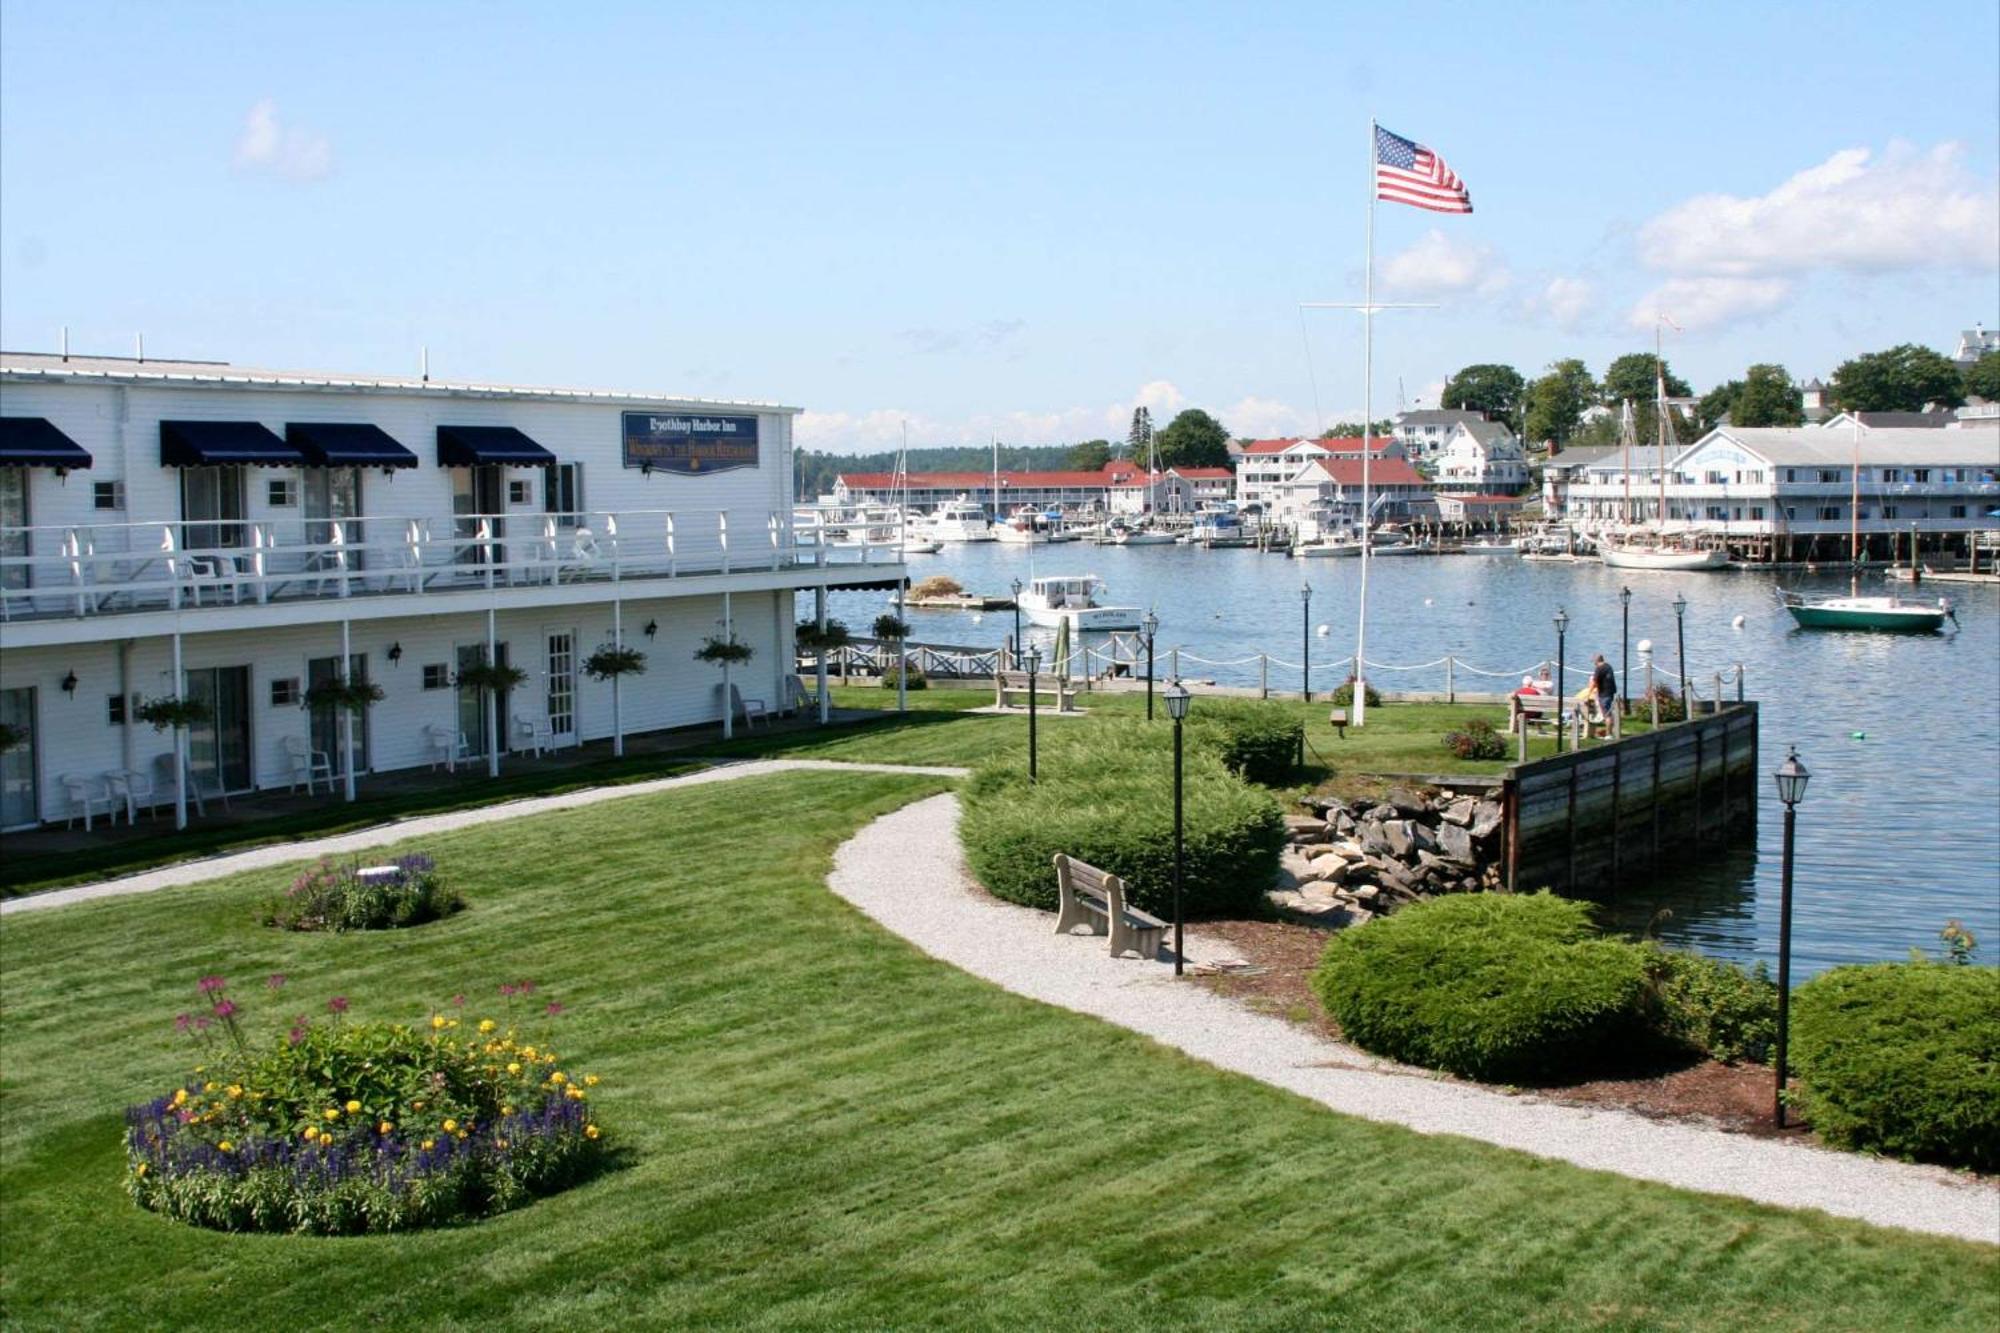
(107, 494)
(1715, 479)
(284, 691)
(1888, 511)
(517, 492)
(114, 710)
(562, 493)
(437, 676)
(1958, 511)
(1891, 474)
(1756, 513)
(1828, 513)
(1828, 475)
(284, 492)
(1921, 475)
(1790, 513)
(1791, 474)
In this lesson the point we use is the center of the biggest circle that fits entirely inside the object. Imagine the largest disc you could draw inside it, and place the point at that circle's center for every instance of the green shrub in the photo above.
(1671, 707)
(1514, 989)
(1903, 1058)
(1476, 740)
(1714, 1007)
(917, 681)
(331, 897)
(1257, 741)
(1343, 697)
(1106, 797)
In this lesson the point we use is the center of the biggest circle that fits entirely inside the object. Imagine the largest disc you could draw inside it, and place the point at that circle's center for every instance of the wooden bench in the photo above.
(1086, 896)
(1534, 710)
(1012, 684)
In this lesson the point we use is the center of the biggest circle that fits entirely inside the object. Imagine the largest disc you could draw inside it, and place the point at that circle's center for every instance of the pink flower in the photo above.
(338, 1004)
(507, 989)
(554, 1009)
(210, 985)
(458, 1001)
(182, 1022)
(276, 981)
(226, 1010)
(201, 1025)
(298, 1032)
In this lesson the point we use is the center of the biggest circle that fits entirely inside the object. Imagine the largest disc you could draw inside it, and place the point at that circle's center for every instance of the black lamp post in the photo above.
(1625, 651)
(1562, 694)
(1791, 778)
(1306, 639)
(1149, 627)
(1177, 706)
(1680, 637)
(1017, 620)
(1034, 658)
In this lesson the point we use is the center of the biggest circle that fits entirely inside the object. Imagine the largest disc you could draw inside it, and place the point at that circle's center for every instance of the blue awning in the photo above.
(346, 444)
(33, 442)
(481, 446)
(222, 444)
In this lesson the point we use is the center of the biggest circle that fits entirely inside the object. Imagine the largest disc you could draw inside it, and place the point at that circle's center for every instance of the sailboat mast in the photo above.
(1625, 433)
(1854, 517)
(1660, 426)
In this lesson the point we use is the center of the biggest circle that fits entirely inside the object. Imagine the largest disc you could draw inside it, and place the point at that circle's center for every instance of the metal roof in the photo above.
(1970, 446)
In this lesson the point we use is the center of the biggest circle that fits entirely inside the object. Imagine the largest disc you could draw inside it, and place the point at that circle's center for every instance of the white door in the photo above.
(17, 762)
(562, 686)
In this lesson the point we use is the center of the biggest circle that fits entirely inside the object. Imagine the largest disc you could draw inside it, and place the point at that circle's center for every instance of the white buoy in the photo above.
(1427, 601)
(1323, 631)
(1737, 623)
(977, 618)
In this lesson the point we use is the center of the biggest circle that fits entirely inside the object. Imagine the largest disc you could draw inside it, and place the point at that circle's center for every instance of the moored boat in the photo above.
(1882, 614)
(961, 520)
(1071, 599)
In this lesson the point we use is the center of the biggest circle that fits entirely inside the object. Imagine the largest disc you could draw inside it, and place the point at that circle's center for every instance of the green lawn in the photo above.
(825, 1128)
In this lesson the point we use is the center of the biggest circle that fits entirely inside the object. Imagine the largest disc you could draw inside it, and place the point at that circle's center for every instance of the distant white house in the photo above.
(1262, 466)
(1322, 490)
(1481, 458)
(1814, 397)
(1976, 342)
(1424, 434)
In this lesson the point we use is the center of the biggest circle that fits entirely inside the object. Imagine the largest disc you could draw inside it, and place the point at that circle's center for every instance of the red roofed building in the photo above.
(1064, 489)
(1262, 466)
(1327, 491)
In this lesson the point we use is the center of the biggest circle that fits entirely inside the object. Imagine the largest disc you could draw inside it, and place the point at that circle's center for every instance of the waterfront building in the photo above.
(1067, 489)
(1424, 434)
(1488, 512)
(208, 531)
(1263, 467)
(1974, 343)
(1481, 458)
(1324, 489)
(1814, 398)
(1561, 469)
(1890, 420)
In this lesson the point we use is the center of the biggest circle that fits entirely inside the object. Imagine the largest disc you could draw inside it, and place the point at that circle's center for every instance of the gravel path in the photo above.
(214, 867)
(905, 871)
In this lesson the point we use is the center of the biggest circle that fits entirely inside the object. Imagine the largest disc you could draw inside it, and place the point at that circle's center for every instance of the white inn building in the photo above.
(203, 531)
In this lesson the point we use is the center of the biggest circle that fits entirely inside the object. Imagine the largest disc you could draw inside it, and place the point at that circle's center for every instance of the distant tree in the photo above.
(1906, 378)
(1193, 439)
(1351, 430)
(1768, 398)
(1140, 435)
(1557, 400)
(1632, 376)
(1718, 403)
(1493, 389)
(1982, 378)
(1090, 456)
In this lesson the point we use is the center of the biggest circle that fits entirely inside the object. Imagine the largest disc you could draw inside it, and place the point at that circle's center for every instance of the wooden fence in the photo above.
(1581, 822)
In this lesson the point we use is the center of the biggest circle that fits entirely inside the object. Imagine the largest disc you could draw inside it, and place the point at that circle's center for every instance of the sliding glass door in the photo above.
(219, 747)
(18, 807)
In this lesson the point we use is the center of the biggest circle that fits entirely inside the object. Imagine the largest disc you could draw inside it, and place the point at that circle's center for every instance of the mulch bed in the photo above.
(1282, 956)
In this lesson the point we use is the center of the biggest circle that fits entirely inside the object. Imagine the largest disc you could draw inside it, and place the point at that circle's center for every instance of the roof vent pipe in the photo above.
(65, 342)
(425, 363)
(140, 340)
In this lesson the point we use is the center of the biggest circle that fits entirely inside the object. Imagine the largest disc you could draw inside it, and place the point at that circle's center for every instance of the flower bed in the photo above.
(332, 897)
(341, 1128)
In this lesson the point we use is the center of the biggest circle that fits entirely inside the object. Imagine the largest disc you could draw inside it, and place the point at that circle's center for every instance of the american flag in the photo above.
(1409, 173)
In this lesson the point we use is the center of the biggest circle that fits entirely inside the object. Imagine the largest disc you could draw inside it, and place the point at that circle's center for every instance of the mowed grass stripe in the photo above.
(827, 1128)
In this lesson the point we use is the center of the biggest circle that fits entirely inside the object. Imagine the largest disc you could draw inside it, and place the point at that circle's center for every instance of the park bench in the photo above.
(1008, 685)
(1541, 711)
(1087, 896)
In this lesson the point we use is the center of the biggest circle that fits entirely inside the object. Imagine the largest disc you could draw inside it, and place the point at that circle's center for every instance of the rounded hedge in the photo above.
(1106, 797)
(1498, 987)
(1258, 741)
(1903, 1058)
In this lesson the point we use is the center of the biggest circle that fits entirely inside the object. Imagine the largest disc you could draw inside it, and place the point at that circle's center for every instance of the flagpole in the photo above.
(1359, 706)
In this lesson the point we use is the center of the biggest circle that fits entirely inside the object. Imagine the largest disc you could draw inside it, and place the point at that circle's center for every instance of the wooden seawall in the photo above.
(1580, 822)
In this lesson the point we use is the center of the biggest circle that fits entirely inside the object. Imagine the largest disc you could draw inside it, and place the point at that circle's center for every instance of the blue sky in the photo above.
(1018, 218)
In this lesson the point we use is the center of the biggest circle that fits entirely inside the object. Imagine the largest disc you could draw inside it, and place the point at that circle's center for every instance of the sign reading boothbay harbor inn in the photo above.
(674, 442)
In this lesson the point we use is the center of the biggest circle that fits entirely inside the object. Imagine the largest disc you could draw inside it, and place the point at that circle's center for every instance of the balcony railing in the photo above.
(102, 569)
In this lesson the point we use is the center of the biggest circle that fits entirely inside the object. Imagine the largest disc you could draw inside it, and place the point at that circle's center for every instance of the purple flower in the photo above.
(338, 1004)
(507, 989)
(276, 981)
(226, 1010)
(210, 985)
(458, 1001)
(201, 1025)
(182, 1022)
(524, 988)
(298, 1032)
(554, 1009)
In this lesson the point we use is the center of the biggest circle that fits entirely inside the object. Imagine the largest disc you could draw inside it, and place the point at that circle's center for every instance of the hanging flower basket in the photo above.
(812, 639)
(12, 737)
(609, 662)
(489, 676)
(731, 651)
(353, 695)
(170, 713)
(890, 626)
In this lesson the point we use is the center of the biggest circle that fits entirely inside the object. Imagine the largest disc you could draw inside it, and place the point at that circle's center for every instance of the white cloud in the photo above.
(1254, 418)
(1704, 302)
(268, 147)
(1566, 300)
(1439, 266)
(1912, 208)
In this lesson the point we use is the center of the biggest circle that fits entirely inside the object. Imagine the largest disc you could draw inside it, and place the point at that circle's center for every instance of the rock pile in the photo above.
(1349, 863)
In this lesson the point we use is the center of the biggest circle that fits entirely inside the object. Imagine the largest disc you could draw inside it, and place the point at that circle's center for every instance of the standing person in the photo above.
(1604, 682)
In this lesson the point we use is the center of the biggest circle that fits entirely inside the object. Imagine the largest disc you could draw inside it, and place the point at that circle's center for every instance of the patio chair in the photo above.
(799, 699)
(447, 746)
(87, 794)
(308, 764)
(583, 557)
(135, 789)
(532, 735)
(165, 781)
(748, 709)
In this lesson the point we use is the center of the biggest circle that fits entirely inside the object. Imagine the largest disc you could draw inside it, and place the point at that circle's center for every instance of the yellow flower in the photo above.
(416, 1106)
(499, 1143)
(353, 1106)
(558, 1078)
(506, 1110)
(208, 1087)
(384, 1127)
(437, 1021)
(514, 1066)
(461, 1136)
(235, 1090)
(450, 1125)
(142, 1168)
(487, 1025)
(429, 1144)
(527, 1052)
(180, 1096)
(224, 1145)
(311, 1135)
(325, 1138)
(590, 1131)
(590, 1080)
(333, 1113)
(451, 1023)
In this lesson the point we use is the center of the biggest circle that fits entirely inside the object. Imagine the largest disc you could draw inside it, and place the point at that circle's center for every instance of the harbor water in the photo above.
(1900, 828)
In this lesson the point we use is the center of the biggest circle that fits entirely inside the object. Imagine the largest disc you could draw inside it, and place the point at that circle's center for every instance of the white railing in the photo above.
(97, 569)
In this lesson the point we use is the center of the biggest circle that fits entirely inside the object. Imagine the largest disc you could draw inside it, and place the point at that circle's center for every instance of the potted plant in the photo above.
(611, 661)
(727, 651)
(498, 677)
(171, 713)
(819, 642)
(353, 695)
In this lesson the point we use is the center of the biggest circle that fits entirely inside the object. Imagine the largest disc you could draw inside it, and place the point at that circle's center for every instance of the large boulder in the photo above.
(1459, 811)
(1486, 819)
(1455, 843)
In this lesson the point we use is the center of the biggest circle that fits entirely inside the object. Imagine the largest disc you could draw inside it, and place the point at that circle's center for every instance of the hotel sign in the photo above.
(689, 443)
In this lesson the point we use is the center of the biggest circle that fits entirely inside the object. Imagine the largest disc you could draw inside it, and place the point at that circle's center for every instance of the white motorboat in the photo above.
(1121, 533)
(1028, 526)
(1658, 555)
(961, 520)
(1218, 527)
(1072, 599)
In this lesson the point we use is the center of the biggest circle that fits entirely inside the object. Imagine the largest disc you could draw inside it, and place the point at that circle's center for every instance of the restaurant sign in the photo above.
(689, 443)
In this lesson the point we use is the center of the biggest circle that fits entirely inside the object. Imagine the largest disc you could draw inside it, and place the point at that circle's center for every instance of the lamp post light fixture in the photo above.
(1680, 636)
(1017, 621)
(1034, 660)
(1562, 696)
(1150, 627)
(69, 684)
(652, 628)
(1625, 651)
(396, 653)
(1177, 706)
(1791, 778)
(1306, 641)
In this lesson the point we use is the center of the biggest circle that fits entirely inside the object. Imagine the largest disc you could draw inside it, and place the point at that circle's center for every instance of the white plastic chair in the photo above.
(531, 735)
(134, 789)
(448, 746)
(86, 794)
(308, 764)
(749, 709)
(166, 782)
(584, 556)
